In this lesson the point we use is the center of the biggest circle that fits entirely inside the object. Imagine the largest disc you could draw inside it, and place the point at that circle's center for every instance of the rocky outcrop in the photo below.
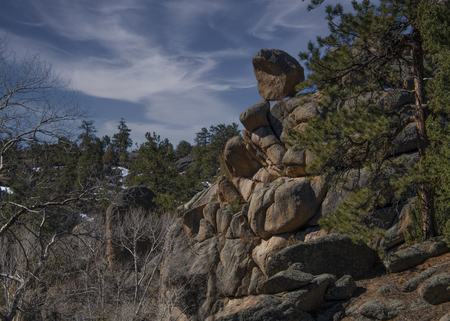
(269, 258)
(227, 191)
(277, 73)
(235, 264)
(412, 284)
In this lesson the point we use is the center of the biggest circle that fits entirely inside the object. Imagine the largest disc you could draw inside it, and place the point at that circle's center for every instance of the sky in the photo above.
(165, 66)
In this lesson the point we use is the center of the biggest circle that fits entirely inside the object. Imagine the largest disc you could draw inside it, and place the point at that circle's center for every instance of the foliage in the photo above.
(360, 69)
(208, 149)
(235, 206)
(90, 163)
(39, 161)
(155, 168)
(183, 148)
(121, 141)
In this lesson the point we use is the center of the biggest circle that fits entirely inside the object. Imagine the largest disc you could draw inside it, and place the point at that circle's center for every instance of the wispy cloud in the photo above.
(281, 14)
(176, 57)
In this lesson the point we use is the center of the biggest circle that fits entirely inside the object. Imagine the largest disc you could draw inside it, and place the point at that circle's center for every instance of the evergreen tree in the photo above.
(367, 56)
(183, 148)
(90, 164)
(121, 141)
(155, 168)
(208, 149)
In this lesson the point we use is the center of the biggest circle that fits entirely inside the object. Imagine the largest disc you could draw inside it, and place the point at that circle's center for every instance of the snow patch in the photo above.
(5, 189)
(84, 217)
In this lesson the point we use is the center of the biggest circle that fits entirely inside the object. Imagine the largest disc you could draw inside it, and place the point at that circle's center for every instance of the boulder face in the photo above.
(333, 253)
(239, 160)
(285, 206)
(277, 73)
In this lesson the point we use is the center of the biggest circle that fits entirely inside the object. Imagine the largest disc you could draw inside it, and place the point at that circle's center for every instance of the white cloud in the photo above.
(290, 14)
(126, 54)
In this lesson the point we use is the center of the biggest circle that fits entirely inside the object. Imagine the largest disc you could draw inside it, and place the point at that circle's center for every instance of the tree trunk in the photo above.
(426, 191)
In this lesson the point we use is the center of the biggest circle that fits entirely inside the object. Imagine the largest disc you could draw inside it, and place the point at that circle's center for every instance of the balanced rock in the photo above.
(277, 74)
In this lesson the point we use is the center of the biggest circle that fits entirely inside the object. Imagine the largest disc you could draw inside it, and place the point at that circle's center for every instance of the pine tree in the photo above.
(155, 168)
(90, 164)
(183, 148)
(121, 141)
(368, 55)
(208, 149)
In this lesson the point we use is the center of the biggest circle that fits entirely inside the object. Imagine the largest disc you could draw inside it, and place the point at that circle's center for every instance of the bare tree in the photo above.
(35, 107)
(37, 112)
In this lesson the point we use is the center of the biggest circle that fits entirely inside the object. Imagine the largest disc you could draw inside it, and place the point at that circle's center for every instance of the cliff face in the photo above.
(260, 240)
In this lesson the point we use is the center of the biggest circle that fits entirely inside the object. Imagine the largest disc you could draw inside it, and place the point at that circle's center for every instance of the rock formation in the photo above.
(270, 260)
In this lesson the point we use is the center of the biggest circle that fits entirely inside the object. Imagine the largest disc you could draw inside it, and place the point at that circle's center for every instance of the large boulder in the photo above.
(407, 140)
(277, 74)
(255, 116)
(227, 191)
(235, 263)
(402, 224)
(239, 227)
(342, 289)
(267, 248)
(436, 290)
(413, 284)
(209, 213)
(285, 281)
(382, 309)
(295, 203)
(278, 112)
(297, 161)
(285, 206)
(239, 161)
(411, 256)
(311, 296)
(264, 137)
(332, 253)
(223, 220)
(261, 199)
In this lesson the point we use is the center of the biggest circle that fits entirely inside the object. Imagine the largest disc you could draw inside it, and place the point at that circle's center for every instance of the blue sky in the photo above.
(170, 67)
